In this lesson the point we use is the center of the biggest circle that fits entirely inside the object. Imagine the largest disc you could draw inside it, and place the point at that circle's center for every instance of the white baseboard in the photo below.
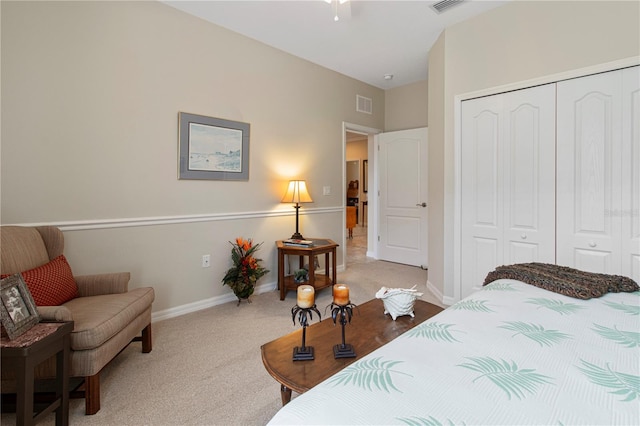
(448, 301)
(207, 303)
(444, 300)
(218, 300)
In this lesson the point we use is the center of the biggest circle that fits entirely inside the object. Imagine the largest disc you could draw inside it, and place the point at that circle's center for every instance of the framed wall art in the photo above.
(17, 308)
(212, 148)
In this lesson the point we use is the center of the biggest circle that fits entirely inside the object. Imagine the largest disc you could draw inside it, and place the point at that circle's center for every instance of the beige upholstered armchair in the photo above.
(107, 316)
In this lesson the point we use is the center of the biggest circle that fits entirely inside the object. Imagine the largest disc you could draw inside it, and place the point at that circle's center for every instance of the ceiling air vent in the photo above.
(364, 104)
(444, 5)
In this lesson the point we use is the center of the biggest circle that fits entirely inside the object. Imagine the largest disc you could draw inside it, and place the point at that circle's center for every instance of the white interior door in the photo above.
(403, 195)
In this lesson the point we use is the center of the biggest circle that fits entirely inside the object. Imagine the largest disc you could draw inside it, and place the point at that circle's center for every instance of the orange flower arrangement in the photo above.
(246, 268)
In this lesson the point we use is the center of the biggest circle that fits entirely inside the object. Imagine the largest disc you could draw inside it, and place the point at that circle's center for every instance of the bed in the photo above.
(512, 353)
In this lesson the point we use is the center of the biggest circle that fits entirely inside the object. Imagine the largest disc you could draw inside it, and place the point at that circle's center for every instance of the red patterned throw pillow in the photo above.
(51, 284)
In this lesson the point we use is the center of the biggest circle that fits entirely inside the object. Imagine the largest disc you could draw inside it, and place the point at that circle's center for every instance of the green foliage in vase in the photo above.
(301, 275)
(246, 268)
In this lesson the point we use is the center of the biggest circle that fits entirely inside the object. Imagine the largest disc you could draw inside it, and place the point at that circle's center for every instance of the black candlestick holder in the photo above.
(345, 312)
(304, 352)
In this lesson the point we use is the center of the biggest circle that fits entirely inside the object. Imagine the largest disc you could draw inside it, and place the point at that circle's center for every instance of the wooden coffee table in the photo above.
(369, 329)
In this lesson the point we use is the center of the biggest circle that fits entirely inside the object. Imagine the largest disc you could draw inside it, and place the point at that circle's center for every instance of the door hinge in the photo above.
(378, 238)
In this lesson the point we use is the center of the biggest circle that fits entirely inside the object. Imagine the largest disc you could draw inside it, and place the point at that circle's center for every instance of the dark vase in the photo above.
(243, 292)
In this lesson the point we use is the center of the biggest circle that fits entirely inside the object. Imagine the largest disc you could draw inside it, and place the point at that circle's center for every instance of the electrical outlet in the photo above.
(206, 260)
(326, 190)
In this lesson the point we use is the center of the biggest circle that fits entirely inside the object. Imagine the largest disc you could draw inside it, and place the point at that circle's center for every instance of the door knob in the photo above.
(421, 205)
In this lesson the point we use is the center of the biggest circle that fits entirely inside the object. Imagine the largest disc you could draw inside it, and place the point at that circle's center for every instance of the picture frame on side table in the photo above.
(212, 148)
(17, 308)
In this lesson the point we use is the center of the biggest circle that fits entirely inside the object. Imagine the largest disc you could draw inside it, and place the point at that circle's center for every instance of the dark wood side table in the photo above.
(320, 246)
(24, 353)
(369, 329)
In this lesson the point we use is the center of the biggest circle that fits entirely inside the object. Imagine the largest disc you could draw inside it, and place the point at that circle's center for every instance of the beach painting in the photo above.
(213, 148)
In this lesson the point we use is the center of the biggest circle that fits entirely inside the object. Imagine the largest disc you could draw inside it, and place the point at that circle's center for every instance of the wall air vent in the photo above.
(364, 104)
(444, 5)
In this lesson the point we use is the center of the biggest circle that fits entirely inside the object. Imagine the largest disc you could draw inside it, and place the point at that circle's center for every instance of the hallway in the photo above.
(403, 276)
(357, 246)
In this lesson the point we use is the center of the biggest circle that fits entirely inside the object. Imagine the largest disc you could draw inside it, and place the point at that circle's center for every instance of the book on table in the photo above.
(297, 243)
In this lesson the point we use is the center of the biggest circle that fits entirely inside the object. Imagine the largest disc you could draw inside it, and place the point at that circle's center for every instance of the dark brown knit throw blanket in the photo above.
(564, 280)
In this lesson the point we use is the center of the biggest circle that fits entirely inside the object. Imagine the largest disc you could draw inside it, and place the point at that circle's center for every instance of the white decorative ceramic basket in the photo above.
(398, 301)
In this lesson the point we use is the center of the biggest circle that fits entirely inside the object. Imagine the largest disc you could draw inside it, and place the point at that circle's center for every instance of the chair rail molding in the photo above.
(82, 225)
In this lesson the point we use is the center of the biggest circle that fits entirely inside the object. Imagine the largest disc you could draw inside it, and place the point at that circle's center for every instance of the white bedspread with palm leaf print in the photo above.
(510, 354)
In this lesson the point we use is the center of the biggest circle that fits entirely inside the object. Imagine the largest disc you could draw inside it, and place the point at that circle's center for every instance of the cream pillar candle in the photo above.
(341, 294)
(306, 296)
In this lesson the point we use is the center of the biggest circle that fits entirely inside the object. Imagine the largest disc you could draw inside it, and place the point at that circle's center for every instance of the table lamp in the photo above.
(297, 193)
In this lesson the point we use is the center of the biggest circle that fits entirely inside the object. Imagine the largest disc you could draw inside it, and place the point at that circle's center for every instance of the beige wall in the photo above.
(523, 40)
(90, 97)
(436, 168)
(406, 106)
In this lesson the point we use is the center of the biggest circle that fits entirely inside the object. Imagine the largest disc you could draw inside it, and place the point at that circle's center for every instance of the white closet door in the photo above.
(630, 213)
(507, 182)
(589, 156)
(481, 195)
(529, 179)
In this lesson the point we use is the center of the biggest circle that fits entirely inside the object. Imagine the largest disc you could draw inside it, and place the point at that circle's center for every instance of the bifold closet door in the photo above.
(630, 213)
(598, 180)
(507, 182)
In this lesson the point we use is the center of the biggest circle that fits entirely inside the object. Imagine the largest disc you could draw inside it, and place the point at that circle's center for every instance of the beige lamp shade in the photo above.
(297, 193)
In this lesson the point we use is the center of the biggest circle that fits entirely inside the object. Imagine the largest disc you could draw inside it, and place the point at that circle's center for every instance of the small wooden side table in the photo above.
(24, 353)
(320, 246)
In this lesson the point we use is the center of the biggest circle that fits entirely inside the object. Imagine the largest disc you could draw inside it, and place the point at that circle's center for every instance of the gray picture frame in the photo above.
(212, 148)
(17, 308)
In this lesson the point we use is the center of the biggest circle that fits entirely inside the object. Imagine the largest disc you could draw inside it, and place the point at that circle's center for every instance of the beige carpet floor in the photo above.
(206, 368)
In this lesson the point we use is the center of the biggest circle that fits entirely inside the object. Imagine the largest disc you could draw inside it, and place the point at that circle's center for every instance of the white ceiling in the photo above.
(371, 38)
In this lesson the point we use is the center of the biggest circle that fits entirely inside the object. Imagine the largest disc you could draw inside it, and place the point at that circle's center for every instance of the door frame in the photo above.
(372, 187)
